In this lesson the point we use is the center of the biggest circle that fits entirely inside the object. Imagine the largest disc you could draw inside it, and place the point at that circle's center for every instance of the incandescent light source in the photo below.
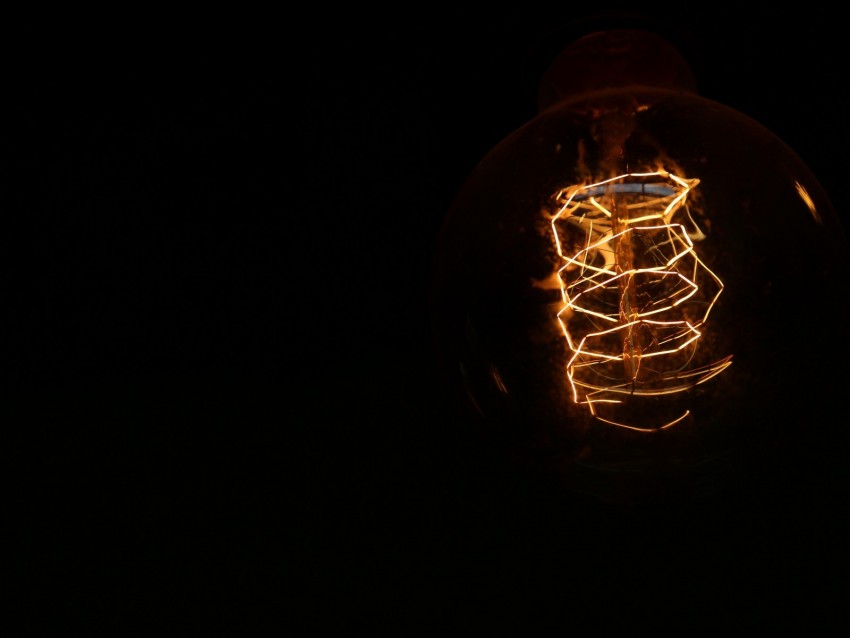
(637, 291)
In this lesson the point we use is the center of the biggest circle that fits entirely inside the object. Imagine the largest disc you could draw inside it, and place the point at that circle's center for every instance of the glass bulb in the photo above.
(636, 291)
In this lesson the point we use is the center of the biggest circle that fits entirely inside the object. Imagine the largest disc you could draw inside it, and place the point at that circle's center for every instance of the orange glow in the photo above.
(807, 200)
(636, 295)
(497, 378)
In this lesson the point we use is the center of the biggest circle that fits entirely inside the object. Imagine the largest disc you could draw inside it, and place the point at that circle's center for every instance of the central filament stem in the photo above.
(624, 265)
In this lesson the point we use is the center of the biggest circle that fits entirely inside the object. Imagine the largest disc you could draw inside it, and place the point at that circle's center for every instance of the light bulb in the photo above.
(637, 291)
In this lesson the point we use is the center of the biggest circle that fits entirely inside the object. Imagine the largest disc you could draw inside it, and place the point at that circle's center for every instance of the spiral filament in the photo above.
(636, 296)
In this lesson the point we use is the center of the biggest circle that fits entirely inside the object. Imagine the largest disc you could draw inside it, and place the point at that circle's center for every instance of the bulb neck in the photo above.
(614, 59)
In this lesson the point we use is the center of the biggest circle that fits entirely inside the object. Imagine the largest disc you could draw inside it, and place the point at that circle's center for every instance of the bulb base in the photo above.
(616, 58)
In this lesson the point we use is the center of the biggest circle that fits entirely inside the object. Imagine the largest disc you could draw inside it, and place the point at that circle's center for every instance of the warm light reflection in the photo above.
(807, 200)
(636, 295)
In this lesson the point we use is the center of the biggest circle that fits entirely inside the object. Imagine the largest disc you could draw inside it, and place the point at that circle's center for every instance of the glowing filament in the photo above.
(636, 295)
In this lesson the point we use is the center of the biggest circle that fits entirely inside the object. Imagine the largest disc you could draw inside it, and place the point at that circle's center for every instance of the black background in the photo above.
(219, 381)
